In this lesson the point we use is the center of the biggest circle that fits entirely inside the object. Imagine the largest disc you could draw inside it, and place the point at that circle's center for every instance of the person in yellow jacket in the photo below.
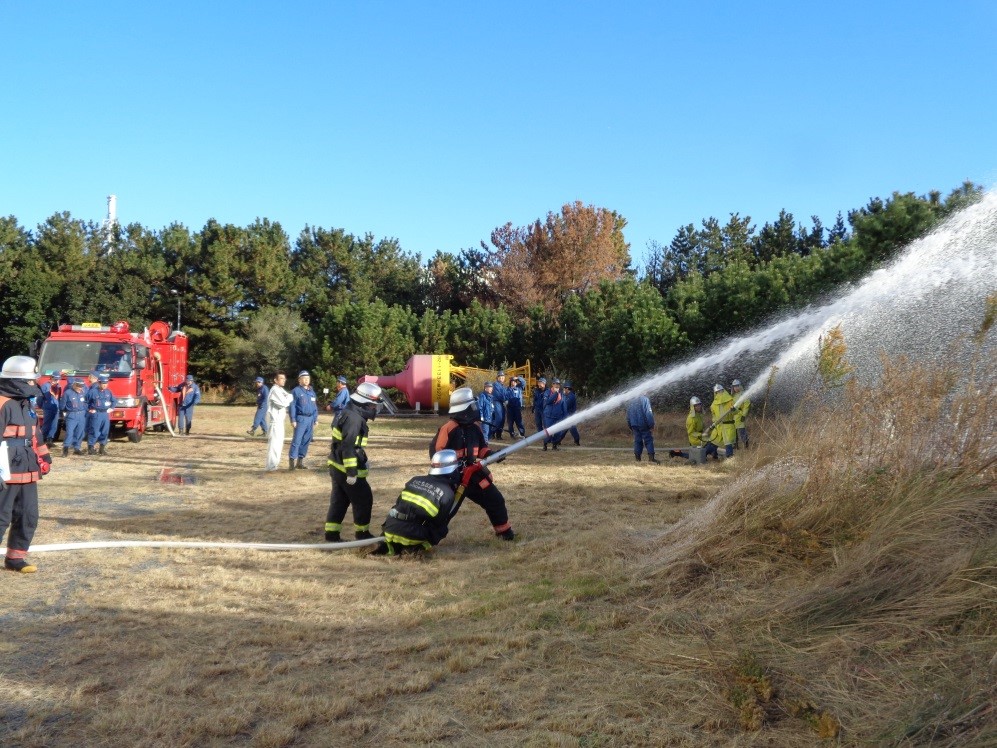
(694, 428)
(722, 410)
(740, 412)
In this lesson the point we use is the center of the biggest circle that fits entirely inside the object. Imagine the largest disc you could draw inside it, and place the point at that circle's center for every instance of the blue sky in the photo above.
(436, 122)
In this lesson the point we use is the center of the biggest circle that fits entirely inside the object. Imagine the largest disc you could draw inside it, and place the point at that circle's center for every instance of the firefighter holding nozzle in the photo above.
(463, 434)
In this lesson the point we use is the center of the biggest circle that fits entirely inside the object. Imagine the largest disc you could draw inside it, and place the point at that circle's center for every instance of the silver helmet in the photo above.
(695, 401)
(367, 393)
(19, 367)
(461, 399)
(444, 462)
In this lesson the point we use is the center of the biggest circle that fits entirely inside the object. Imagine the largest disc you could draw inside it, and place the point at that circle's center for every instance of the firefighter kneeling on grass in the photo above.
(421, 516)
(348, 464)
(463, 434)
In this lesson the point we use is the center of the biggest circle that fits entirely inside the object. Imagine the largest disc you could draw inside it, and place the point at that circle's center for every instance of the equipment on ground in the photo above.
(140, 368)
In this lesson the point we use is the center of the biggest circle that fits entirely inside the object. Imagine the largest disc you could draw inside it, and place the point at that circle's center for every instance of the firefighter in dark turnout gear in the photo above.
(348, 464)
(421, 516)
(462, 433)
(23, 462)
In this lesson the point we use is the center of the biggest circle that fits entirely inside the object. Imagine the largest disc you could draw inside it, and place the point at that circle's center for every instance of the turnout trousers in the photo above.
(19, 512)
(359, 496)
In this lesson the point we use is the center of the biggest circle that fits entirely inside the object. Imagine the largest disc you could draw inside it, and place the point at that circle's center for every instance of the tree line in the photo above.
(561, 291)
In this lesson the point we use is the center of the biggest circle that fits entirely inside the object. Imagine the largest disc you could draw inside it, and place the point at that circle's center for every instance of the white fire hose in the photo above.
(98, 544)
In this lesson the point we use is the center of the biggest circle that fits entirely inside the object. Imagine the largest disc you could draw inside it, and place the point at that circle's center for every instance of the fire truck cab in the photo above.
(141, 367)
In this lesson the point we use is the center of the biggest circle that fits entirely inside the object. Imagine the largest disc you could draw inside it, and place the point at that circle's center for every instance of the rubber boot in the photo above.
(301, 465)
(332, 536)
(290, 463)
(187, 432)
(103, 449)
(637, 457)
(50, 442)
(91, 451)
(507, 534)
(65, 451)
(652, 458)
(78, 452)
(554, 446)
(19, 565)
(363, 535)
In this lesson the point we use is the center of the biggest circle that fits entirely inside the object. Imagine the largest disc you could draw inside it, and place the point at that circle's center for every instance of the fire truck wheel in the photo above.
(135, 434)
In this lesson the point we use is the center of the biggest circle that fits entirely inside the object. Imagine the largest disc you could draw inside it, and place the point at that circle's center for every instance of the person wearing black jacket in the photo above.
(23, 461)
(348, 464)
(421, 516)
(463, 434)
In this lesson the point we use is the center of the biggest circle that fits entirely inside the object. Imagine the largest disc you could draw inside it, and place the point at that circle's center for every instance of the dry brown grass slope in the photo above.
(836, 584)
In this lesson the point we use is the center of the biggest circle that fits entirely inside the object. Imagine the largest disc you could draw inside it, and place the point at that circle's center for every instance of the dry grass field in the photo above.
(824, 588)
(485, 642)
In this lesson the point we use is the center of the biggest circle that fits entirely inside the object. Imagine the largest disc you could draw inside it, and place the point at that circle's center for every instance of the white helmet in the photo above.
(695, 401)
(444, 462)
(736, 383)
(19, 367)
(460, 399)
(366, 393)
(718, 388)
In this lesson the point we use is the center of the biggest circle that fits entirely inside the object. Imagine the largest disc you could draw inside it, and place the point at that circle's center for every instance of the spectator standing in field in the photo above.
(260, 418)
(640, 419)
(278, 402)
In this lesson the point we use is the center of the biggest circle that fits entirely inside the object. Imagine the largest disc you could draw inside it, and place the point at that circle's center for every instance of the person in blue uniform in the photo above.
(500, 396)
(516, 391)
(342, 399)
(486, 409)
(190, 395)
(99, 403)
(50, 415)
(304, 413)
(640, 419)
(570, 408)
(538, 403)
(553, 413)
(74, 411)
(260, 418)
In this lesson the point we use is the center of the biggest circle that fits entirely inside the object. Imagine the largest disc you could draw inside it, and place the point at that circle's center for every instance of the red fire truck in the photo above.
(141, 366)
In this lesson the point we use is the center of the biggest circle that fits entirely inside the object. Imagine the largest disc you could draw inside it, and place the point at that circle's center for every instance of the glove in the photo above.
(351, 480)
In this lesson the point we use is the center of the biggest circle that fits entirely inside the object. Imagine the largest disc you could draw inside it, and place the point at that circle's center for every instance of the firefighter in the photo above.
(640, 419)
(553, 413)
(277, 405)
(500, 396)
(260, 418)
(462, 433)
(722, 410)
(99, 402)
(23, 461)
(694, 429)
(74, 412)
(90, 384)
(50, 414)
(421, 515)
(348, 464)
(740, 412)
(190, 395)
(304, 414)
(342, 398)
(570, 408)
(538, 403)
(486, 410)
(516, 390)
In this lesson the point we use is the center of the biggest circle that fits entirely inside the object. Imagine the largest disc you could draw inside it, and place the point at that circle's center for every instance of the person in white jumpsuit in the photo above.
(277, 404)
